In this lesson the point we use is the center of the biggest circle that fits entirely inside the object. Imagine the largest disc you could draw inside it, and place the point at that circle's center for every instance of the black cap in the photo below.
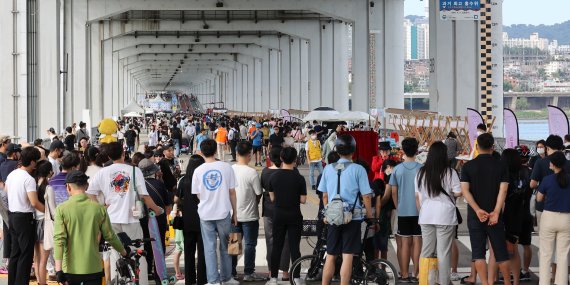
(76, 177)
(55, 145)
(555, 142)
(11, 148)
(385, 146)
(159, 152)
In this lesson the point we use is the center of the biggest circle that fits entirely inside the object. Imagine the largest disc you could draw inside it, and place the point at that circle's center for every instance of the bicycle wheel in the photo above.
(310, 269)
(381, 272)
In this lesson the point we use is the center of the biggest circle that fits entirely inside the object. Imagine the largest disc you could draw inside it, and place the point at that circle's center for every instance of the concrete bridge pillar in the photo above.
(285, 73)
(340, 71)
(514, 102)
(555, 101)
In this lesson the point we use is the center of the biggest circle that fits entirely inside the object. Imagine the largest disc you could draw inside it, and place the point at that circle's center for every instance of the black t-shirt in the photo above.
(167, 175)
(268, 208)
(287, 187)
(484, 175)
(176, 133)
(542, 169)
(69, 142)
(160, 196)
(276, 139)
(190, 207)
(6, 168)
(130, 136)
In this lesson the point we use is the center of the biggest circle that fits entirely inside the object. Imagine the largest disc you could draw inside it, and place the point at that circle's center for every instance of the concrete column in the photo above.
(48, 61)
(454, 53)
(264, 64)
(295, 74)
(230, 87)
(273, 79)
(107, 71)
(117, 77)
(217, 89)
(120, 79)
(251, 85)
(261, 89)
(327, 67)
(360, 78)
(95, 80)
(304, 61)
(314, 95)
(394, 53)
(285, 75)
(340, 67)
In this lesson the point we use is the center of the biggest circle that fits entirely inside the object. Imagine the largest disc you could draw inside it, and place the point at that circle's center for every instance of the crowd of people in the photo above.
(65, 198)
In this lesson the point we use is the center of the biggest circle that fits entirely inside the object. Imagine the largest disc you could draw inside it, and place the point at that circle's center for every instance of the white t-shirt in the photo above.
(55, 165)
(438, 210)
(18, 184)
(213, 181)
(115, 182)
(249, 186)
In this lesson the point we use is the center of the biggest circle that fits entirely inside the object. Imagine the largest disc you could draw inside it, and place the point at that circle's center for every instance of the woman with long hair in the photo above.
(44, 172)
(554, 190)
(192, 232)
(437, 185)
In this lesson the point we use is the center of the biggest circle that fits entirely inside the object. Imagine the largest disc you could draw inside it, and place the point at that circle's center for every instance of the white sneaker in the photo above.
(232, 281)
(299, 281)
(454, 276)
(272, 281)
(213, 284)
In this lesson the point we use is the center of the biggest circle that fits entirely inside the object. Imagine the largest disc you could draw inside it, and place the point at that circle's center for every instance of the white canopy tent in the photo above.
(133, 107)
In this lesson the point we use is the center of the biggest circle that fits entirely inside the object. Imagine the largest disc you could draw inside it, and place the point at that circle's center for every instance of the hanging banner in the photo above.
(557, 121)
(511, 128)
(474, 118)
(459, 10)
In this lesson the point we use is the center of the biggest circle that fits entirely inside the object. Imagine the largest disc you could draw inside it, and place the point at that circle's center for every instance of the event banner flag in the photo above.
(459, 10)
(557, 121)
(474, 118)
(511, 128)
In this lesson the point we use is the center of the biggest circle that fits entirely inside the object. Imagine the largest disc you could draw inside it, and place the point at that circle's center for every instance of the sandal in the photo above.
(466, 282)
(180, 276)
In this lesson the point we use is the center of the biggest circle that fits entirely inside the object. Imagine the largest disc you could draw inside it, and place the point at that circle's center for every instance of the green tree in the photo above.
(507, 86)
(522, 103)
(408, 88)
(542, 73)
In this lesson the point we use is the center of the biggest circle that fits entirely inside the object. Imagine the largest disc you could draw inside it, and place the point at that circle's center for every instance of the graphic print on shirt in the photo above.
(212, 180)
(120, 183)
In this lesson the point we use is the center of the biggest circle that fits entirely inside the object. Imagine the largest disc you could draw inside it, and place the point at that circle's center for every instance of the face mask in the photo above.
(479, 133)
(540, 150)
(313, 137)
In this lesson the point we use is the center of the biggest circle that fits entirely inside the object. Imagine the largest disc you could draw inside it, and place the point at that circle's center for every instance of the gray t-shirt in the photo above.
(452, 147)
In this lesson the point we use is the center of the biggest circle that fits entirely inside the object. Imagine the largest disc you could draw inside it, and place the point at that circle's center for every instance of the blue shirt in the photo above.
(353, 180)
(257, 137)
(403, 177)
(557, 199)
(199, 139)
(59, 188)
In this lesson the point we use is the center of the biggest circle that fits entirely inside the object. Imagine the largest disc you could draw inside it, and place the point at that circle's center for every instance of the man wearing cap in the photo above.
(56, 150)
(78, 224)
(11, 163)
(4, 142)
(157, 191)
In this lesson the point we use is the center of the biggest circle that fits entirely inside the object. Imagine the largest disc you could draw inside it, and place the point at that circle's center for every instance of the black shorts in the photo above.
(479, 233)
(257, 149)
(381, 241)
(344, 239)
(525, 237)
(409, 227)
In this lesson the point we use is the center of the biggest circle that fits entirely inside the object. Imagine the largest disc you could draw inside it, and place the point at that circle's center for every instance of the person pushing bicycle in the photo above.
(79, 224)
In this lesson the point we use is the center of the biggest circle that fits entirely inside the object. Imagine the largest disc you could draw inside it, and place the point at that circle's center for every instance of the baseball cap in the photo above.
(11, 148)
(55, 145)
(4, 138)
(76, 177)
(159, 152)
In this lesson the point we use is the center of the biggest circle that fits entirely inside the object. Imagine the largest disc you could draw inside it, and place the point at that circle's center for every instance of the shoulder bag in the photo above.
(459, 217)
(48, 221)
(139, 210)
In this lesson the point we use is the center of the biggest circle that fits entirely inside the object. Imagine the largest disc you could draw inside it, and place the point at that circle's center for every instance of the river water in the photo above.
(533, 129)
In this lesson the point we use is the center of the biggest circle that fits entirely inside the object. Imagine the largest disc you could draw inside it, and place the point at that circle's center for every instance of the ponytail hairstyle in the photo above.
(559, 161)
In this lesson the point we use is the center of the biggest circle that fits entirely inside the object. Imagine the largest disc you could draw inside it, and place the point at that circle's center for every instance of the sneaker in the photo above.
(454, 276)
(299, 281)
(413, 279)
(213, 284)
(404, 280)
(254, 277)
(525, 276)
(272, 281)
(232, 281)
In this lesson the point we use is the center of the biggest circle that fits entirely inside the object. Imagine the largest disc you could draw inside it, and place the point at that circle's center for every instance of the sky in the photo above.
(534, 12)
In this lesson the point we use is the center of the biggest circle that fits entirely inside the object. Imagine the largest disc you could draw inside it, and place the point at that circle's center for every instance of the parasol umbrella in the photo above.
(322, 114)
(355, 116)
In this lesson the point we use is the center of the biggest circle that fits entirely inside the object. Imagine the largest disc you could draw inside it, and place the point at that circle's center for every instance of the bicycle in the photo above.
(128, 267)
(375, 272)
